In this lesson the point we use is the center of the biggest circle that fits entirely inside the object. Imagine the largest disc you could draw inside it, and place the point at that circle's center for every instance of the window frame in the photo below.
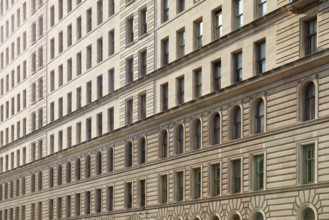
(300, 161)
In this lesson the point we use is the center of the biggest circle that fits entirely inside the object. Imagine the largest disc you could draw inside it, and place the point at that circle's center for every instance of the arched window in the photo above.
(236, 217)
(163, 151)
(98, 163)
(129, 154)
(259, 116)
(258, 216)
(142, 150)
(78, 169)
(17, 188)
(87, 167)
(51, 177)
(33, 183)
(40, 181)
(196, 218)
(68, 172)
(215, 217)
(180, 139)
(236, 122)
(216, 129)
(197, 136)
(309, 102)
(110, 161)
(59, 175)
(308, 214)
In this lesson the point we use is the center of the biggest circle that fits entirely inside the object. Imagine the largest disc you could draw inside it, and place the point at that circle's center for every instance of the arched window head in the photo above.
(180, 139)
(129, 154)
(142, 150)
(99, 163)
(308, 214)
(309, 102)
(216, 129)
(164, 144)
(258, 216)
(236, 217)
(197, 143)
(236, 122)
(110, 162)
(215, 217)
(259, 116)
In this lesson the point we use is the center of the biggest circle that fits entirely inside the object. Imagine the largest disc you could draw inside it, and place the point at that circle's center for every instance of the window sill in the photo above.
(129, 2)
(129, 44)
(142, 36)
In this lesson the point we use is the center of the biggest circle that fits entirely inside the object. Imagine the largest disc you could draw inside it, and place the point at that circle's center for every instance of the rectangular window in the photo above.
(99, 12)
(34, 92)
(111, 80)
(179, 183)
(236, 176)
(99, 50)
(308, 164)
(180, 88)
(258, 164)
(87, 202)
(60, 140)
(165, 10)
(60, 42)
(89, 57)
(88, 93)
(68, 206)
(69, 35)
(142, 22)
(237, 67)
(218, 22)
(129, 111)
(59, 208)
(52, 112)
(100, 86)
(79, 63)
(60, 75)
(34, 32)
(261, 56)
(78, 98)
(164, 97)
(196, 184)
(180, 6)
(163, 189)
(198, 30)
(52, 48)
(89, 20)
(69, 103)
(181, 43)
(98, 200)
(311, 36)
(215, 184)
(130, 29)
(34, 62)
(40, 60)
(52, 16)
(130, 70)
(165, 51)
(51, 209)
(111, 8)
(142, 106)
(110, 198)
(69, 70)
(99, 124)
(88, 128)
(111, 42)
(142, 193)
(79, 28)
(217, 75)
(78, 133)
(40, 26)
(69, 6)
(40, 114)
(110, 112)
(60, 9)
(261, 7)
(238, 7)
(77, 204)
(197, 83)
(129, 195)
(52, 80)
(143, 63)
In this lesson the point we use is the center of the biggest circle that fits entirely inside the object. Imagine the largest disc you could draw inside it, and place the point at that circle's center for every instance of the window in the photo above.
(142, 106)
(309, 102)
(79, 28)
(215, 129)
(69, 69)
(236, 122)
(129, 112)
(77, 204)
(98, 200)
(261, 7)
(142, 63)
(34, 32)
(163, 150)
(40, 26)
(69, 6)
(129, 195)
(142, 193)
(40, 181)
(129, 154)
(40, 60)
(52, 16)
(165, 51)
(99, 50)
(78, 169)
(111, 42)
(52, 48)
(110, 198)
(258, 172)
(180, 142)
(306, 214)
(164, 97)
(130, 70)
(68, 172)
(180, 90)
(236, 176)
(69, 35)
(79, 63)
(51, 177)
(88, 128)
(99, 12)
(259, 116)
(236, 217)
(130, 29)
(99, 124)
(196, 183)
(163, 189)
(181, 43)
(87, 202)
(100, 86)
(261, 56)
(218, 22)
(78, 98)
(217, 75)
(111, 8)
(52, 80)
(60, 9)
(60, 42)
(197, 74)
(88, 92)
(99, 165)
(68, 206)
(89, 57)
(78, 133)
(110, 160)
(110, 113)
(311, 36)
(87, 167)
(165, 10)
(142, 22)
(180, 6)
(89, 20)
(142, 151)
(52, 144)
(179, 185)
(60, 107)
(238, 7)
(215, 183)
(307, 164)
(237, 67)
(198, 31)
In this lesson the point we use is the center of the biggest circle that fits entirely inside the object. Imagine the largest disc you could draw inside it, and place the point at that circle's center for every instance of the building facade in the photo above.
(164, 110)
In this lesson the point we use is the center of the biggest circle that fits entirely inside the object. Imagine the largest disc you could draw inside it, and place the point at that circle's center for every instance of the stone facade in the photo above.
(96, 125)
